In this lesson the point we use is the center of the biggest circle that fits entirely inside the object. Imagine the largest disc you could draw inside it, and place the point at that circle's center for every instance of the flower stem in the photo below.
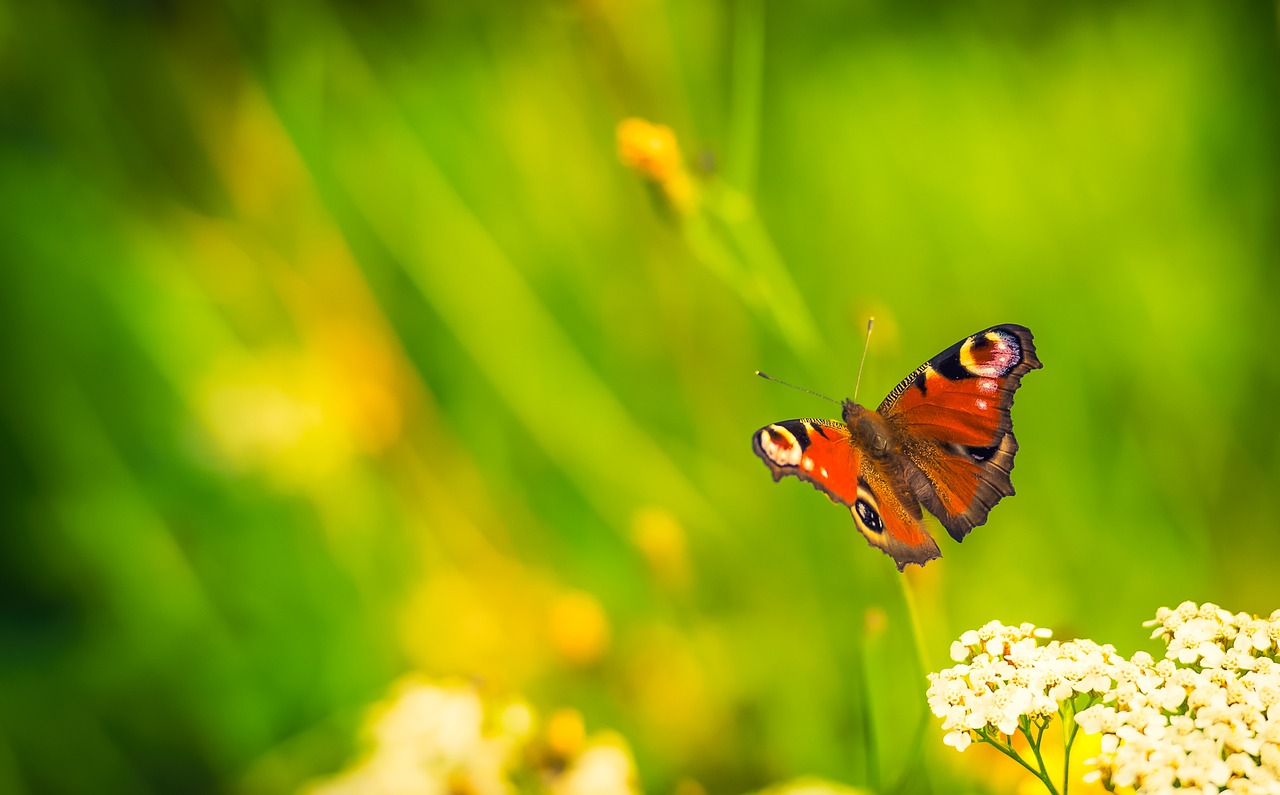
(1069, 730)
(745, 94)
(765, 278)
(922, 656)
(1035, 749)
(917, 633)
(1007, 750)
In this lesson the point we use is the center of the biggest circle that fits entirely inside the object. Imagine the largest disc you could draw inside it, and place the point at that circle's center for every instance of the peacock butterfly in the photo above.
(943, 439)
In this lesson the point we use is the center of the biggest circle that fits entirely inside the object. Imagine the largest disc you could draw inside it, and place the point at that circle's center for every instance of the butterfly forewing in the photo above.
(817, 451)
(951, 418)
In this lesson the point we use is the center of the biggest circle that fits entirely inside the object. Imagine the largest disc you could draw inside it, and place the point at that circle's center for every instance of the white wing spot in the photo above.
(982, 404)
(806, 464)
(785, 454)
(824, 472)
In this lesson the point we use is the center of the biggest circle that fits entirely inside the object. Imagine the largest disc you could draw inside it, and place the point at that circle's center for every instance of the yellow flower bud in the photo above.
(649, 148)
(652, 150)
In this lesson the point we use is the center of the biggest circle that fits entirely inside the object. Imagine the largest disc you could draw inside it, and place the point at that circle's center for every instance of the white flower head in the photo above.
(1200, 718)
(1205, 717)
(1012, 675)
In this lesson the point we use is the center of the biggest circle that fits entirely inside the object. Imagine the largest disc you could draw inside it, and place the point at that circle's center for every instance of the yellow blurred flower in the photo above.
(565, 733)
(660, 539)
(649, 148)
(812, 786)
(302, 414)
(672, 689)
(365, 377)
(579, 628)
(493, 619)
(689, 786)
(272, 413)
(875, 620)
(652, 150)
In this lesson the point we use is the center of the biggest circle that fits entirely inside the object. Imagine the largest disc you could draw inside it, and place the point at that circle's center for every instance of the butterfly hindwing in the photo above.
(822, 452)
(891, 519)
(951, 418)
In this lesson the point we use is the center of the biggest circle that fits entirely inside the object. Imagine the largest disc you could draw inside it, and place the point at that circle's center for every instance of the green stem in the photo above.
(917, 632)
(769, 276)
(747, 262)
(868, 713)
(745, 97)
(1035, 749)
(1066, 752)
(922, 656)
(1008, 751)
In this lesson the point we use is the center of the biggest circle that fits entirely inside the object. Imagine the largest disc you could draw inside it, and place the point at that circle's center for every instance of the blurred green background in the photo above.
(341, 344)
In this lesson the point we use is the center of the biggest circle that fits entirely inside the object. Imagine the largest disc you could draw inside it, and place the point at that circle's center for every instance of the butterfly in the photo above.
(943, 438)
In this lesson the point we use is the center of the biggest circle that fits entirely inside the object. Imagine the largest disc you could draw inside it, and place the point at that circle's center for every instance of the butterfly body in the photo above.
(942, 440)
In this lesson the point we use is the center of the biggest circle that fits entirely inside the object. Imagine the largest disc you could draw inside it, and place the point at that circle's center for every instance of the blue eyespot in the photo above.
(868, 516)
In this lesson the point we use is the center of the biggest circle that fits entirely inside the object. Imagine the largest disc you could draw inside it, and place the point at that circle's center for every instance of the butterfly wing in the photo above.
(822, 453)
(951, 417)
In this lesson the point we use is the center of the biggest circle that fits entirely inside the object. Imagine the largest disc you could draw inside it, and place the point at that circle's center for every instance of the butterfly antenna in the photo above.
(871, 321)
(793, 386)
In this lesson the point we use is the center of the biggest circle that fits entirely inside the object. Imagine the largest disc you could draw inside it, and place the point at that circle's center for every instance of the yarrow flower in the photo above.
(1205, 717)
(1014, 680)
(447, 737)
(442, 737)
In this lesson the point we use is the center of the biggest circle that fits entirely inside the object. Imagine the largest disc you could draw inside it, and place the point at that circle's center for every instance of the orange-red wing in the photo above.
(951, 417)
(891, 519)
(823, 453)
(817, 451)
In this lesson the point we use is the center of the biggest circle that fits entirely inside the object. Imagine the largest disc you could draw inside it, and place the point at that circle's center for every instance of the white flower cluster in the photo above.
(439, 738)
(1204, 718)
(1010, 673)
(428, 738)
(445, 737)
